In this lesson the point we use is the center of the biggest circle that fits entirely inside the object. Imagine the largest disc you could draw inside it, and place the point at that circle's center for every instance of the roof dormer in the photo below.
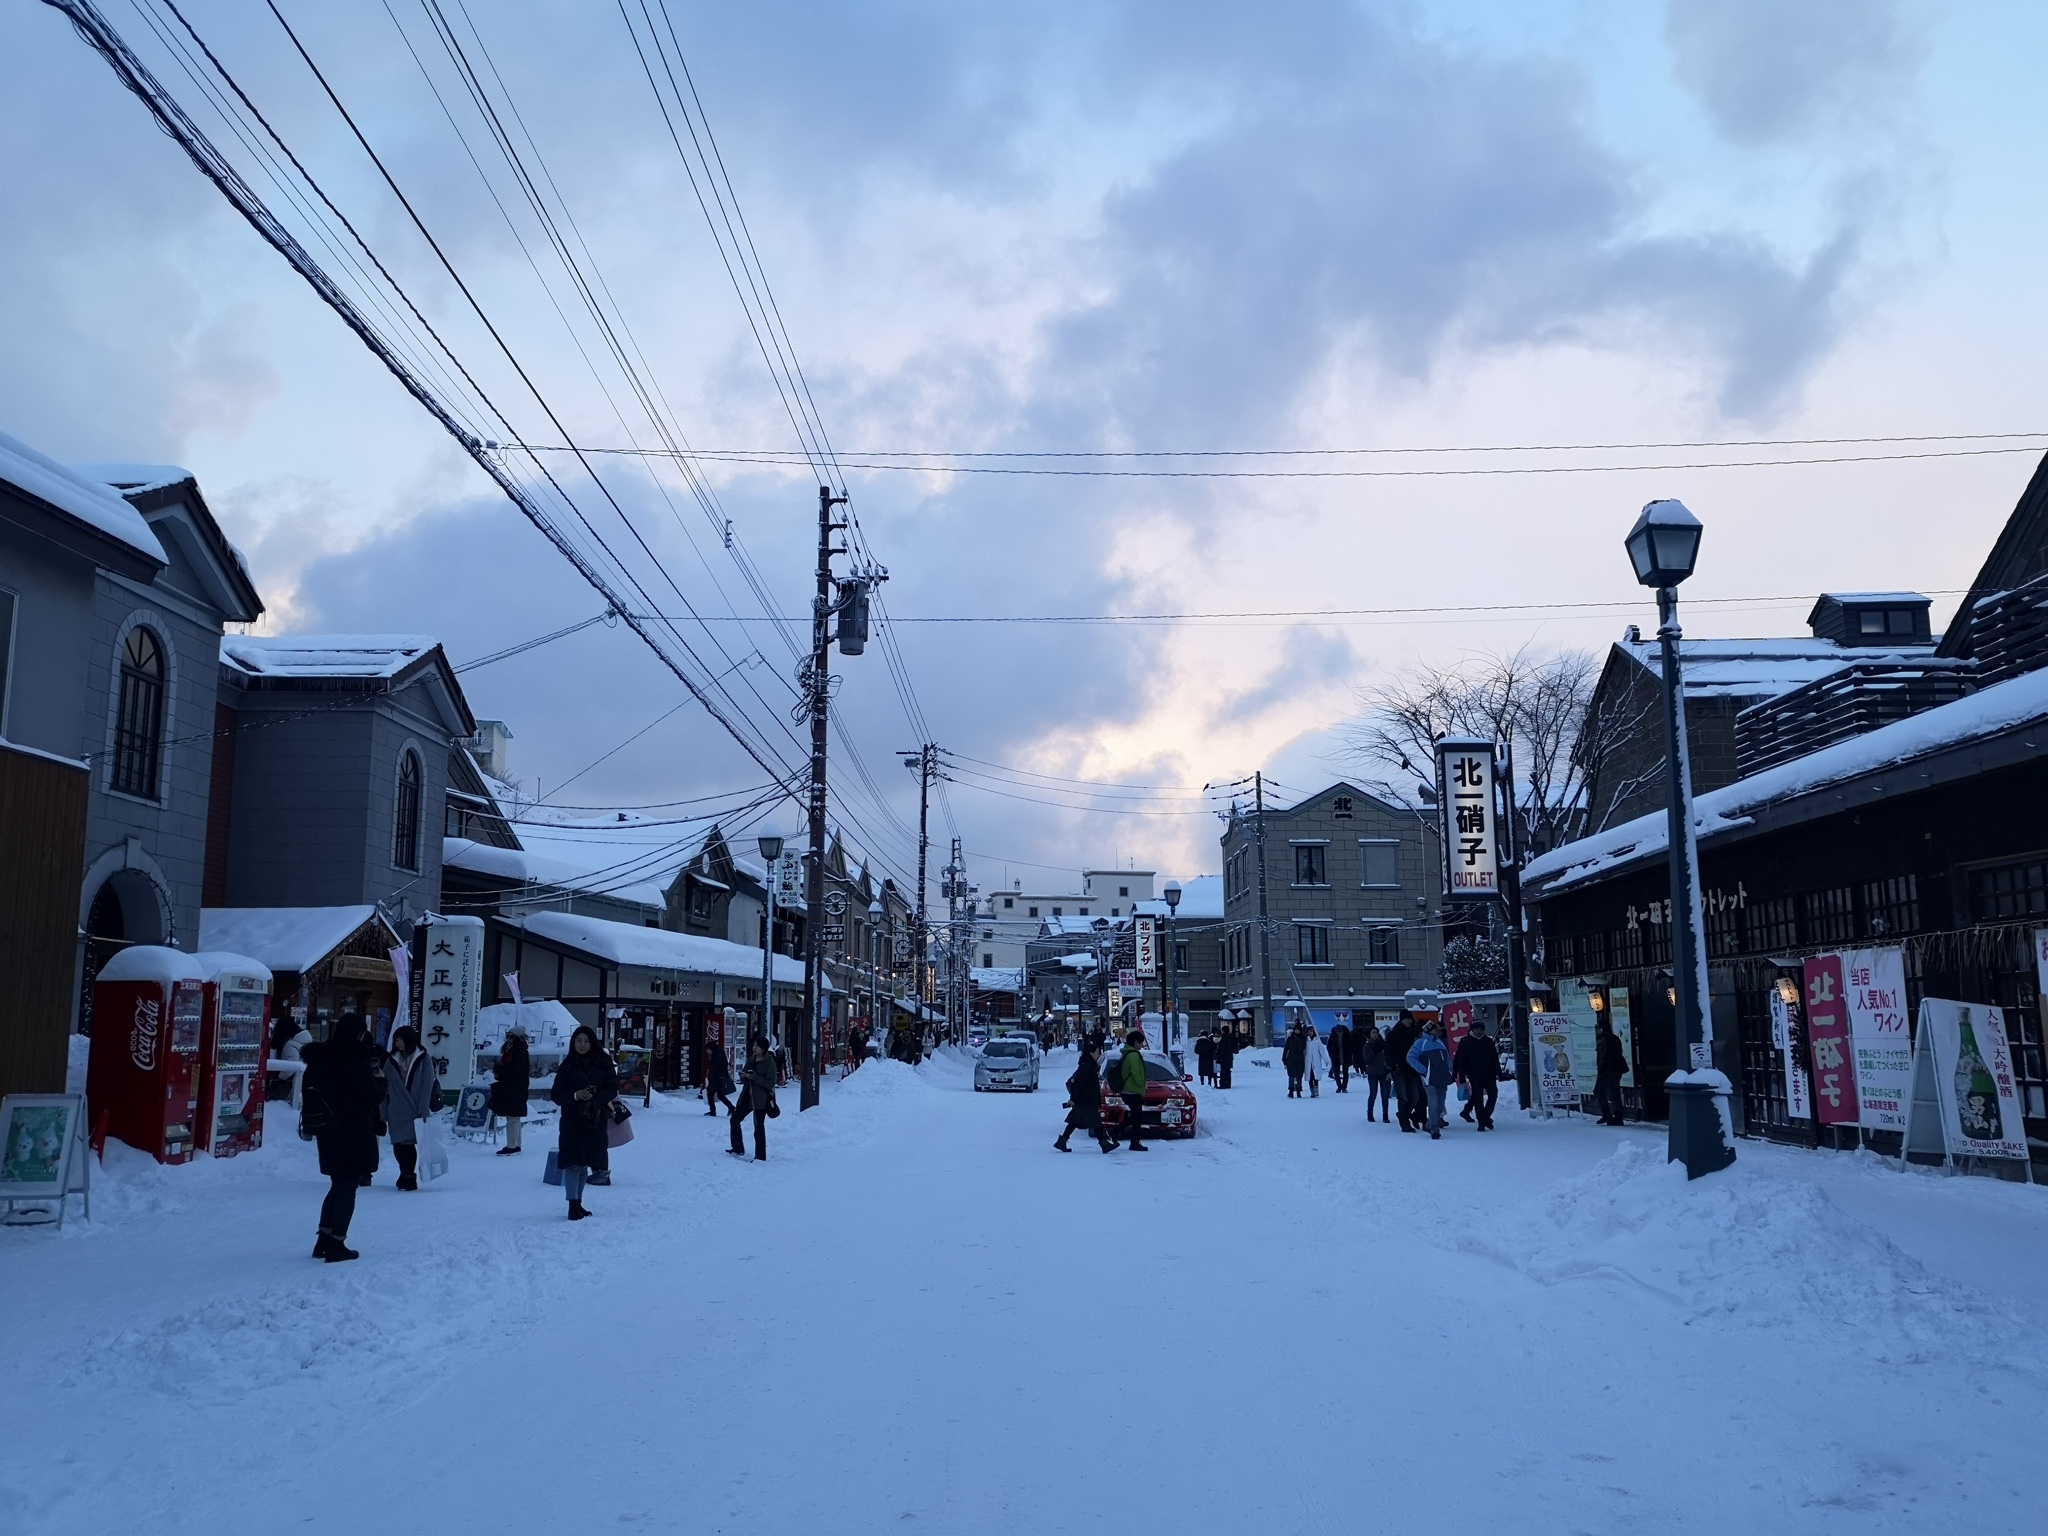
(1871, 618)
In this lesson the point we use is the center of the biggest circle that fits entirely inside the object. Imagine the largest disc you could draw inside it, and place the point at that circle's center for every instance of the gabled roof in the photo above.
(2019, 554)
(1755, 669)
(76, 512)
(285, 938)
(371, 663)
(1971, 736)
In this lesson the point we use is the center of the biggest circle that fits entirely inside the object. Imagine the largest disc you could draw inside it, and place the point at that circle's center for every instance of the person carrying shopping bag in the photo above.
(585, 1084)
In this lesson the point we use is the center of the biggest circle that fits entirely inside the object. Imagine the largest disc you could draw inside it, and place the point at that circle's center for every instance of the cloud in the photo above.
(1767, 72)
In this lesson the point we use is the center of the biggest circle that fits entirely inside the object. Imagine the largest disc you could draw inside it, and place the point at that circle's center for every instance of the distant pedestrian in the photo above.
(1431, 1063)
(511, 1081)
(1407, 1086)
(1205, 1056)
(413, 1094)
(1477, 1066)
(1379, 1081)
(339, 1107)
(1610, 1063)
(287, 1040)
(1294, 1057)
(1341, 1048)
(585, 1084)
(717, 1076)
(1130, 1081)
(1226, 1054)
(1317, 1056)
(1084, 1100)
(757, 1098)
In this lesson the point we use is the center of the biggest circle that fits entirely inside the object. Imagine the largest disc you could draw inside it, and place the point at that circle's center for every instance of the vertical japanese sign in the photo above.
(789, 876)
(448, 959)
(1470, 831)
(1798, 1103)
(1966, 1046)
(1555, 1080)
(1145, 938)
(1874, 988)
(1582, 1030)
(1458, 1015)
(1834, 1051)
(1623, 1024)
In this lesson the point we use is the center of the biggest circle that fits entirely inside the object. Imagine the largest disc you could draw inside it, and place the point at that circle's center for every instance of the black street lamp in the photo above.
(1663, 546)
(1172, 965)
(770, 844)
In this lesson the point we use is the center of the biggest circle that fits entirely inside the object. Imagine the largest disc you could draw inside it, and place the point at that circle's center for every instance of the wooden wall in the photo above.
(42, 862)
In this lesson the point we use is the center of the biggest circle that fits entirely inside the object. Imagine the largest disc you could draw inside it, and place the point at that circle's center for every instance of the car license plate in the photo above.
(1169, 1117)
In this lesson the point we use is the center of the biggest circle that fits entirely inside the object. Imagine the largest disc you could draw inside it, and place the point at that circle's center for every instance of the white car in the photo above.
(1006, 1064)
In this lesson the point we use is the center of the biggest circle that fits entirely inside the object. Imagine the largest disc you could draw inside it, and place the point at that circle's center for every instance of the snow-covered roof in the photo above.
(2005, 706)
(366, 656)
(283, 938)
(1201, 898)
(1762, 669)
(1073, 926)
(1876, 597)
(151, 962)
(134, 477)
(997, 978)
(655, 948)
(89, 501)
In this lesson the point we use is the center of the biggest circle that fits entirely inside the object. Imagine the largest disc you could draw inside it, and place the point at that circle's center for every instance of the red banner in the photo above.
(1457, 1018)
(1834, 1052)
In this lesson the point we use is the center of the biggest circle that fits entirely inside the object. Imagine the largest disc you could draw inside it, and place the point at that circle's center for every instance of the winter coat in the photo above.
(717, 1070)
(1084, 1088)
(1205, 1052)
(582, 1143)
(759, 1079)
(1477, 1061)
(511, 1079)
(1340, 1046)
(1430, 1061)
(1130, 1072)
(1372, 1055)
(342, 1085)
(1226, 1050)
(1318, 1056)
(1610, 1060)
(409, 1095)
(1294, 1053)
(1400, 1040)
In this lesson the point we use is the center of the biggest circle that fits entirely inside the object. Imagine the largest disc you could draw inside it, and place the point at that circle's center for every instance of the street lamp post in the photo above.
(771, 851)
(874, 969)
(1172, 965)
(1663, 546)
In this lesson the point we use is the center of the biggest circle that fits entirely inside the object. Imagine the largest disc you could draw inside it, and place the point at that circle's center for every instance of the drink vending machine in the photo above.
(146, 1069)
(235, 1043)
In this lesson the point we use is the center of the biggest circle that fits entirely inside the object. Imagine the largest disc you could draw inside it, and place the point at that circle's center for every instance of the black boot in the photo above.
(336, 1251)
(576, 1211)
(1061, 1144)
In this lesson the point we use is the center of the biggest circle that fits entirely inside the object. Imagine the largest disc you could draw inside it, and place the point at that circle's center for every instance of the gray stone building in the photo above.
(1354, 888)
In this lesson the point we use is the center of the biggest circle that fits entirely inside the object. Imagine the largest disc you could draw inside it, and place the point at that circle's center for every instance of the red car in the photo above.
(1169, 1104)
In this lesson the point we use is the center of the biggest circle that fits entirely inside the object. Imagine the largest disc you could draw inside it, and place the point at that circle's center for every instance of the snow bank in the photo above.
(1752, 1250)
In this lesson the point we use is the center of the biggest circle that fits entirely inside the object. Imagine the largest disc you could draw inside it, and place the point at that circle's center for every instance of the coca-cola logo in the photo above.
(142, 1036)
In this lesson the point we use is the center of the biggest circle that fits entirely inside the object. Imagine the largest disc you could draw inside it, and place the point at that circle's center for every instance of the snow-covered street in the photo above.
(918, 1316)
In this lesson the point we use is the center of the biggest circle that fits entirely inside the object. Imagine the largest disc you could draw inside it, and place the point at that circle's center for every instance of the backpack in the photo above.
(315, 1116)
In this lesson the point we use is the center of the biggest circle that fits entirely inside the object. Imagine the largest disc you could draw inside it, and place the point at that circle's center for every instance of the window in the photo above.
(1382, 860)
(1123, 890)
(1058, 911)
(1900, 621)
(987, 961)
(139, 727)
(1870, 621)
(1180, 957)
(1341, 808)
(1311, 864)
(1116, 912)
(1034, 912)
(1082, 910)
(405, 826)
(1010, 902)
(1311, 944)
(1383, 946)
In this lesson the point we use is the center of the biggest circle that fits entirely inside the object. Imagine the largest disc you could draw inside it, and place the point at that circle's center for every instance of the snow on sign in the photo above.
(1145, 941)
(1464, 774)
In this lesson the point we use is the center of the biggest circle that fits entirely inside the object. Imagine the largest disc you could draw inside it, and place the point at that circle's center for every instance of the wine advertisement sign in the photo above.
(1966, 1047)
(1834, 1053)
(1874, 991)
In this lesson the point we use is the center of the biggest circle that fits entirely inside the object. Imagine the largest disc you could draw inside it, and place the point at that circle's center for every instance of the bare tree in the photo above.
(1542, 702)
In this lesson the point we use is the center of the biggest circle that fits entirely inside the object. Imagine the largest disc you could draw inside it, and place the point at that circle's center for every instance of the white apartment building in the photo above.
(1003, 921)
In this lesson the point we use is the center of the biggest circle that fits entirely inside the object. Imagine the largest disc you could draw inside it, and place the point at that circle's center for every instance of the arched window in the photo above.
(139, 728)
(405, 831)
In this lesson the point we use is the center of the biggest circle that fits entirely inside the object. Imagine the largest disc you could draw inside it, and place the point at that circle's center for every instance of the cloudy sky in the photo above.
(1063, 228)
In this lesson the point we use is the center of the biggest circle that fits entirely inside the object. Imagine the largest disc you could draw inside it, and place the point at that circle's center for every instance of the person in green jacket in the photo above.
(1130, 1081)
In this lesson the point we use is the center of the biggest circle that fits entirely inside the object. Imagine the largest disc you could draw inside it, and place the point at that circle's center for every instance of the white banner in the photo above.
(1470, 833)
(1554, 1067)
(1145, 938)
(1625, 1031)
(1964, 1045)
(1874, 987)
(450, 988)
(1798, 1102)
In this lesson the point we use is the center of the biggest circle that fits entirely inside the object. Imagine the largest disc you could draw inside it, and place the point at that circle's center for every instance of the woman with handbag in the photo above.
(338, 1109)
(511, 1080)
(585, 1085)
(414, 1093)
(757, 1097)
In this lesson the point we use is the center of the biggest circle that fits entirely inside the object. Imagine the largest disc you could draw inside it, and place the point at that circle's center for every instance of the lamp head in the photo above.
(771, 846)
(1664, 544)
(1172, 895)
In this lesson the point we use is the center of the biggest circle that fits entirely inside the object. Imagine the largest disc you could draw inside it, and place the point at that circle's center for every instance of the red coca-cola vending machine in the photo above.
(234, 1045)
(145, 1071)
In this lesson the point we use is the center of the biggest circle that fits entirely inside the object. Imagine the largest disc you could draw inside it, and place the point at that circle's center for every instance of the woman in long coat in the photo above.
(511, 1081)
(338, 1104)
(1084, 1090)
(409, 1074)
(585, 1084)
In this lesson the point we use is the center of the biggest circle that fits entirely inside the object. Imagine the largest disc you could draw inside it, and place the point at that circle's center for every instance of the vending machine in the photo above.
(234, 1044)
(145, 1071)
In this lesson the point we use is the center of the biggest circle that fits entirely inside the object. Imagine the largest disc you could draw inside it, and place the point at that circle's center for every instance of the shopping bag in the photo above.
(552, 1174)
(1464, 1094)
(618, 1132)
(433, 1150)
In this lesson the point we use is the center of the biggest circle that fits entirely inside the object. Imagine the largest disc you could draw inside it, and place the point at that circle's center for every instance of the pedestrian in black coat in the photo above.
(1294, 1057)
(757, 1097)
(1226, 1054)
(1408, 1105)
(1477, 1066)
(511, 1083)
(1205, 1057)
(1084, 1100)
(1340, 1056)
(1610, 1064)
(339, 1102)
(717, 1077)
(585, 1084)
(1372, 1061)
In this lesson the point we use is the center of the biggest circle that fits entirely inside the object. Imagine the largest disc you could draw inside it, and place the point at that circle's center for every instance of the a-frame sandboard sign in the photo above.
(1965, 1105)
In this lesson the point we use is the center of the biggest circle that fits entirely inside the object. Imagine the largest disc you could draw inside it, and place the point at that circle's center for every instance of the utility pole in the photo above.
(1265, 951)
(820, 690)
(925, 759)
(951, 891)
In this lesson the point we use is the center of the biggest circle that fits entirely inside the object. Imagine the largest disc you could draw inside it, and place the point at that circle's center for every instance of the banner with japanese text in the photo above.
(1798, 1103)
(1471, 833)
(1973, 1078)
(1145, 946)
(448, 962)
(1874, 989)
(1556, 1083)
(1834, 1052)
(1624, 1028)
(1582, 1024)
